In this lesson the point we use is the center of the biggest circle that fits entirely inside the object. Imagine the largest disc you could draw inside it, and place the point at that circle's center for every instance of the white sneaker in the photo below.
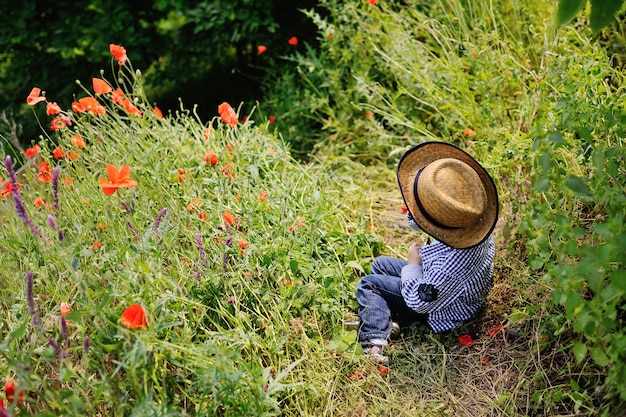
(376, 353)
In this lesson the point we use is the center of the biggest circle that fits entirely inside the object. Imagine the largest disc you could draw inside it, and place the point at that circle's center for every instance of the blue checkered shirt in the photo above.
(451, 284)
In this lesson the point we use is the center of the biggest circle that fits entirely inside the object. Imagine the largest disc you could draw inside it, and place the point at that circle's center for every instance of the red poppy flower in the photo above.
(272, 120)
(134, 317)
(131, 108)
(158, 113)
(32, 152)
(182, 174)
(228, 114)
(468, 132)
(210, 158)
(228, 217)
(65, 309)
(52, 108)
(194, 203)
(9, 391)
(57, 123)
(96, 245)
(100, 86)
(78, 141)
(119, 53)
(38, 202)
(34, 97)
(203, 216)
(73, 155)
(485, 359)
(227, 171)
(261, 49)
(356, 375)
(262, 196)
(293, 41)
(383, 369)
(118, 178)
(405, 209)
(44, 174)
(7, 189)
(117, 96)
(88, 104)
(466, 340)
(58, 153)
(242, 244)
(372, 2)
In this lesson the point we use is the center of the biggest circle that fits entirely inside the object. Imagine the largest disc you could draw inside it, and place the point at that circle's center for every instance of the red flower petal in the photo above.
(466, 340)
(134, 317)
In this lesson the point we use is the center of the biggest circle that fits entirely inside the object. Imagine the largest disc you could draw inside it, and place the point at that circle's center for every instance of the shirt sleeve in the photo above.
(430, 290)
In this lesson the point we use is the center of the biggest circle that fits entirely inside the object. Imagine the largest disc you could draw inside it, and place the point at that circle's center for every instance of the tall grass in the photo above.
(242, 265)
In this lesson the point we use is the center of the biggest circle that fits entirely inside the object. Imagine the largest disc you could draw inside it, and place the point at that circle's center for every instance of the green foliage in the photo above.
(575, 224)
(602, 12)
(393, 75)
(230, 303)
(182, 46)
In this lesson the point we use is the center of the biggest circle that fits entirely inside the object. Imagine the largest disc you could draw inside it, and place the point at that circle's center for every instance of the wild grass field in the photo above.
(157, 264)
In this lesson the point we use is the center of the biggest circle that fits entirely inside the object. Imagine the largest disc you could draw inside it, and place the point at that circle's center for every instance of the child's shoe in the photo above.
(376, 353)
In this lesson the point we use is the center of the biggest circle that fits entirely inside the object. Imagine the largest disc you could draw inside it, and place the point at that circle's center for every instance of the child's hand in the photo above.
(414, 256)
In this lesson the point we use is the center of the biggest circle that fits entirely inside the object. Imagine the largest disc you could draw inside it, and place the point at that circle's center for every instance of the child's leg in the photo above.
(378, 294)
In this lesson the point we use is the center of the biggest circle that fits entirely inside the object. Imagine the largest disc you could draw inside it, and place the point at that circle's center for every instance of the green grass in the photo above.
(258, 330)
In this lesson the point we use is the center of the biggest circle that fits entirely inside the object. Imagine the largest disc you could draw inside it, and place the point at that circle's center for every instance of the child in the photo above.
(452, 198)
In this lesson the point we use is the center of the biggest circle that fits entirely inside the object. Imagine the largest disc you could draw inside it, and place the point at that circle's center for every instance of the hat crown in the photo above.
(452, 193)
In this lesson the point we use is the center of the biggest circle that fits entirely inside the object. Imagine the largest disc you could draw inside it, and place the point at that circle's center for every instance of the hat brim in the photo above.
(423, 154)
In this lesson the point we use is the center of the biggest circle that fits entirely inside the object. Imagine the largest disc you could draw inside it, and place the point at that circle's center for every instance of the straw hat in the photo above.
(449, 194)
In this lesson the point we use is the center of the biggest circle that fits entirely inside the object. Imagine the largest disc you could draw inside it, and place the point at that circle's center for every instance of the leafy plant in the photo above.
(601, 15)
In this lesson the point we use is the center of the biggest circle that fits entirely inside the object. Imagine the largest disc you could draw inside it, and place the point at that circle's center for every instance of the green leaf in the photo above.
(357, 266)
(602, 13)
(555, 137)
(577, 185)
(573, 303)
(293, 265)
(567, 10)
(541, 184)
(580, 351)
(618, 279)
(599, 356)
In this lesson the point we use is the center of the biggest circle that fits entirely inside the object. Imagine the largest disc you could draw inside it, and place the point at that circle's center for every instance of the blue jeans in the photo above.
(380, 298)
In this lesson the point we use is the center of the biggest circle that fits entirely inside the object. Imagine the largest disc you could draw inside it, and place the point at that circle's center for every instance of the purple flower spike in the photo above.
(53, 343)
(19, 203)
(123, 203)
(201, 249)
(51, 222)
(133, 229)
(86, 344)
(4, 412)
(55, 190)
(159, 216)
(64, 328)
(31, 299)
